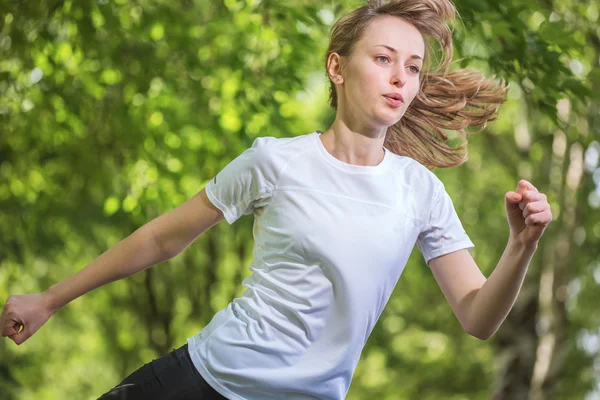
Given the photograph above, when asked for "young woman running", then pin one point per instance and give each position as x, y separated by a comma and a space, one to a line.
337, 214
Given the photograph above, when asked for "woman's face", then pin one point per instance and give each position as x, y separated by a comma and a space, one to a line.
387, 60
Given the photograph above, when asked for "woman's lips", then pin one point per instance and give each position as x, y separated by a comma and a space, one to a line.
393, 102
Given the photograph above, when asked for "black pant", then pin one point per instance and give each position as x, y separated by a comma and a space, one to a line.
171, 377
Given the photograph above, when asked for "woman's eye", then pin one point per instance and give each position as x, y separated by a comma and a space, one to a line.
414, 69
384, 57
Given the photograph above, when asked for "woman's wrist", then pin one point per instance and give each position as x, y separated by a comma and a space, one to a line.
51, 300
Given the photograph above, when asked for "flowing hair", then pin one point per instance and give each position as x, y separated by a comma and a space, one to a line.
447, 100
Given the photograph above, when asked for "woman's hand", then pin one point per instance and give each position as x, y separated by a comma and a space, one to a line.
528, 213
27, 311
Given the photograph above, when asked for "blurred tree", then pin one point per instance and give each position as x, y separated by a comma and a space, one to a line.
546, 58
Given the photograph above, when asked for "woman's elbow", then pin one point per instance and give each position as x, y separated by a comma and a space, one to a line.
480, 334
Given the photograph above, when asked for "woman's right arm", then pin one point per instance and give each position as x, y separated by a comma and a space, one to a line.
159, 240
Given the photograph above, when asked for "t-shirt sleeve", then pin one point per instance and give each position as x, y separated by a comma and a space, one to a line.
443, 233
245, 184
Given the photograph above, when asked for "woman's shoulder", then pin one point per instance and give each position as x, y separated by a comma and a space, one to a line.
418, 172
277, 152
421, 181
281, 142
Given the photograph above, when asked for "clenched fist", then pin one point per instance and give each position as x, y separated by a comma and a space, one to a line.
26, 311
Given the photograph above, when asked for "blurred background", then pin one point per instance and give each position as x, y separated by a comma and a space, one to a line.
113, 112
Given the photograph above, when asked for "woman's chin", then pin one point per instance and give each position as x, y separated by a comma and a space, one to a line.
390, 119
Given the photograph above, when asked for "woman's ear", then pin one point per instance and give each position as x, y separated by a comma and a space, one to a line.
334, 68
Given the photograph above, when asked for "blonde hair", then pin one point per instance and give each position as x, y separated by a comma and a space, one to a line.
447, 100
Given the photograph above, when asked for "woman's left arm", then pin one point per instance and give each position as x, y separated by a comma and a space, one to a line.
482, 305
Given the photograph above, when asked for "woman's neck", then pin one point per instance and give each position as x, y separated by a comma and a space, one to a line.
353, 147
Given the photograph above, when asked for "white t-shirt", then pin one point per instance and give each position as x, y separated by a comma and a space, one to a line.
331, 240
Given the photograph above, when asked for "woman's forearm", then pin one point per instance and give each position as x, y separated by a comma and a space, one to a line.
131, 255
495, 299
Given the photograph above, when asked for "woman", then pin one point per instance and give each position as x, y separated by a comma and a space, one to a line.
336, 217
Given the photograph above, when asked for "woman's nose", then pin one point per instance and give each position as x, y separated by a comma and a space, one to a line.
399, 77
